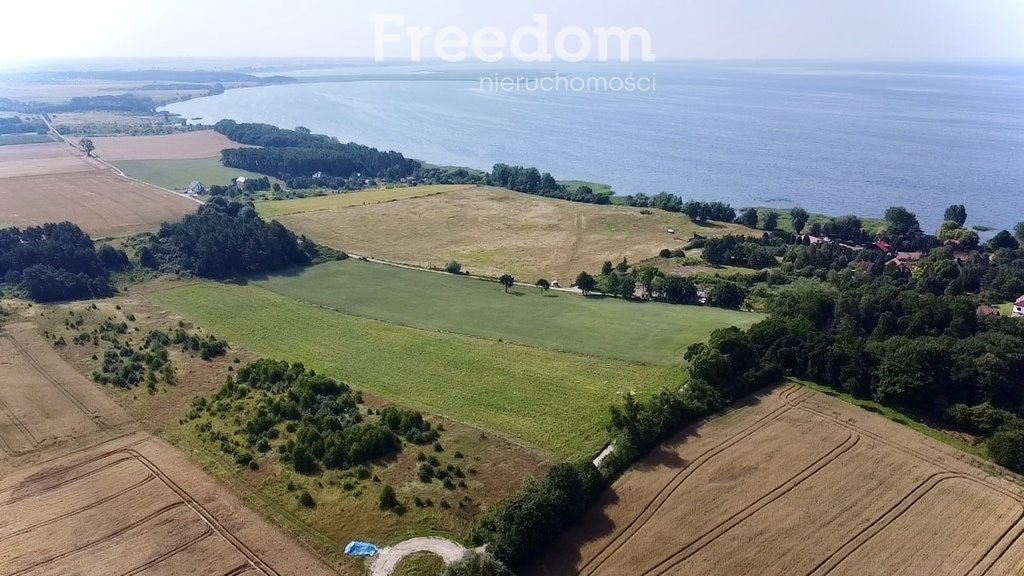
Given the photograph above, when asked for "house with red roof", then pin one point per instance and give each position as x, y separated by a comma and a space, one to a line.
1018, 308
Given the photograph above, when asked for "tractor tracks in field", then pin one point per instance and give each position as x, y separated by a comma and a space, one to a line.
671, 487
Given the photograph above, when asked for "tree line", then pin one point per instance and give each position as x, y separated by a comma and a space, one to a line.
298, 155
18, 125
532, 181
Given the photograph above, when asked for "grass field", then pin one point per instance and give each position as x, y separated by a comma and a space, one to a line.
493, 231
795, 482
871, 225
11, 139
347, 501
557, 401
179, 174
597, 187
632, 331
278, 208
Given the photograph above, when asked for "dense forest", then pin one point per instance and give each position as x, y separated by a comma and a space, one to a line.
308, 160
224, 240
56, 262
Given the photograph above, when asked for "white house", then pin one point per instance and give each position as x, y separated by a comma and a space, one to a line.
240, 182
1018, 308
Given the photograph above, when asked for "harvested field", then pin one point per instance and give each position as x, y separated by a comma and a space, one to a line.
101, 202
134, 505
795, 482
42, 183
42, 399
183, 146
41, 159
493, 231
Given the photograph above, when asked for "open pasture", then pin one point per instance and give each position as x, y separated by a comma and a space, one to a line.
179, 174
134, 505
494, 231
795, 482
555, 400
647, 332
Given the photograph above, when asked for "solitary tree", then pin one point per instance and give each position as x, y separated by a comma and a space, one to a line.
901, 221
800, 218
1003, 240
453, 267
507, 281
388, 499
771, 220
585, 282
87, 146
749, 218
727, 295
645, 276
543, 284
957, 213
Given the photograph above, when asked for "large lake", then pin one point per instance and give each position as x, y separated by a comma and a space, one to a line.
837, 138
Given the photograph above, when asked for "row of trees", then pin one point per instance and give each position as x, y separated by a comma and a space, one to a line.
622, 280
56, 262
18, 125
743, 251
532, 181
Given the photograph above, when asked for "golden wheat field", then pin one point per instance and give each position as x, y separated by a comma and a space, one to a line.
798, 483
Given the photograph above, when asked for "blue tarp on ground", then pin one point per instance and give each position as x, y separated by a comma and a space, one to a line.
360, 549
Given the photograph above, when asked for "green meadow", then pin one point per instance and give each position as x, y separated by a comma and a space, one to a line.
646, 332
178, 174
553, 400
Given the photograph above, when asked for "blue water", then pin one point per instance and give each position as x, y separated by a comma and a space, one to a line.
837, 138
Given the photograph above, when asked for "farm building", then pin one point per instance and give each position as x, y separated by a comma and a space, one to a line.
240, 182
1018, 308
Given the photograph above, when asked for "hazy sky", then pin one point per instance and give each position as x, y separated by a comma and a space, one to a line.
678, 28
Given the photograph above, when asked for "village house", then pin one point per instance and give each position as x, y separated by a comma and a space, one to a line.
1018, 308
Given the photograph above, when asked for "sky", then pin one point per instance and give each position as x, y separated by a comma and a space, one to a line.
688, 29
